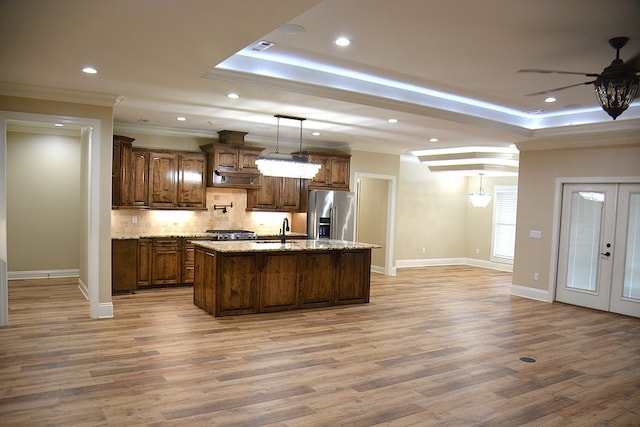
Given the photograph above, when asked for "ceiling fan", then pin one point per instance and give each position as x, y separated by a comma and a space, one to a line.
615, 87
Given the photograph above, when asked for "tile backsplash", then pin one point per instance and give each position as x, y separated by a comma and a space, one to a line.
139, 222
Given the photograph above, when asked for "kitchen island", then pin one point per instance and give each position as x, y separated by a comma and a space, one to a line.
245, 277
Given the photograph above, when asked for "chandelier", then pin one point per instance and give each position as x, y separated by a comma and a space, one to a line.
294, 165
480, 199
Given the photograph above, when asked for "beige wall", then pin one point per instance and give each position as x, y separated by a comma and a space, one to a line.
43, 202
372, 216
539, 172
431, 214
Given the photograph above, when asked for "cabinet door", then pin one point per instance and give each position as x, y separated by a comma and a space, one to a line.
290, 194
192, 181
278, 281
323, 177
226, 158
198, 277
340, 173
209, 278
266, 197
247, 160
165, 262
144, 262
137, 181
316, 285
124, 265
163, 179
236, 284
352, 271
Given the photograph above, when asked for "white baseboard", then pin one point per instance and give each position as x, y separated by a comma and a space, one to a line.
429, 262
531, 293
84, 289
42, 274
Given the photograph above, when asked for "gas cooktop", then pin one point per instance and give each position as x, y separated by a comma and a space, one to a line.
234, 234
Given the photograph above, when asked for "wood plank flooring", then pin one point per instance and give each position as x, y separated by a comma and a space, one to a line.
437, 346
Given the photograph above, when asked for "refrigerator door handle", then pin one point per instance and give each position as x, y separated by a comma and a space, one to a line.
334, 222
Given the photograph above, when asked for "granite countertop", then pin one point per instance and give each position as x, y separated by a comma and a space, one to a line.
201, 236
290, 245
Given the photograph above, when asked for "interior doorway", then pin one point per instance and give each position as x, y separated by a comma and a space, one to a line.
89, 134
375, 195
599, 249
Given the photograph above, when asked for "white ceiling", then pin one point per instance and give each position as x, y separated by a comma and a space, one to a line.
415, 60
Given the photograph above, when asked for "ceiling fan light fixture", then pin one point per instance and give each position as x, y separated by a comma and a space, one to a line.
616, 88
287, 165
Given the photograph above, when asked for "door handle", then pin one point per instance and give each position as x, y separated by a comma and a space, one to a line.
605, 253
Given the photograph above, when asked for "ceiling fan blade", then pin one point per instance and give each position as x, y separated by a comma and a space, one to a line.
577, 73
544, 92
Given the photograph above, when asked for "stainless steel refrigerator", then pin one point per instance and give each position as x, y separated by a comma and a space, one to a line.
331, 215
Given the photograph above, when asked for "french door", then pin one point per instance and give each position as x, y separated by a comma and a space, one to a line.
599, 251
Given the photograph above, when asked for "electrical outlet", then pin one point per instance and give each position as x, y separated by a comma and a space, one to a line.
536, 276
477, 251
424, 250
134, 219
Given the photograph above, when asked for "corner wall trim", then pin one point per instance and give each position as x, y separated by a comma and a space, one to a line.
531, 293
105, 310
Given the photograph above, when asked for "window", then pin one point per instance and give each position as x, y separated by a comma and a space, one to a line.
505, 204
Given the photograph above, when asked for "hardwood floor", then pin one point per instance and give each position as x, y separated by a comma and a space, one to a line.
436, 346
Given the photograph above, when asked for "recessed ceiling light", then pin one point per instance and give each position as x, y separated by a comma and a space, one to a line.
315, 133
58, 125
181, 118
342, 41
433, 139
550, 99
233, 95
89, 70
291, 29
393, 120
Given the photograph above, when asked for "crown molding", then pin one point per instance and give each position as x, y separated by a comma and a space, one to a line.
58, 94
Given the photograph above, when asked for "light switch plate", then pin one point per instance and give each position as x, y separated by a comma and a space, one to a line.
535, 234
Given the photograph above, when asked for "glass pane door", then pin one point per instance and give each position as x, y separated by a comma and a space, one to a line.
586, 239
625, 295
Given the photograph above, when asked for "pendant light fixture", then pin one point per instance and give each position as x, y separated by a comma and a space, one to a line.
294, 165
480, 199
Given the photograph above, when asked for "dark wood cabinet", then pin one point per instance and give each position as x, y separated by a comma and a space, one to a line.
231, 283
230, 163
278, 281
278, 194
120, 169
138, 180
334, 173
191, 177
124, 265
163, 180
144, 262
165, 261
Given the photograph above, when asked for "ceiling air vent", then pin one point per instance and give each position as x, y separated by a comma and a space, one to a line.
262, 45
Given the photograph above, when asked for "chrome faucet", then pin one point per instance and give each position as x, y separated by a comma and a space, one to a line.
285, 227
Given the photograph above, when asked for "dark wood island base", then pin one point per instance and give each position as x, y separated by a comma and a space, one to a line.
233, 278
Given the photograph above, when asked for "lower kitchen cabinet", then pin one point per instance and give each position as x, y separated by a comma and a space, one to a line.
124, 265
233, 283
144, 262
165, 262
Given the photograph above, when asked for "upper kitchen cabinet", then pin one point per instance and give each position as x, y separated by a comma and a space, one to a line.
230, 163
334, 173
158, 179
278, 194
163, 180
191, 177
120, 169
